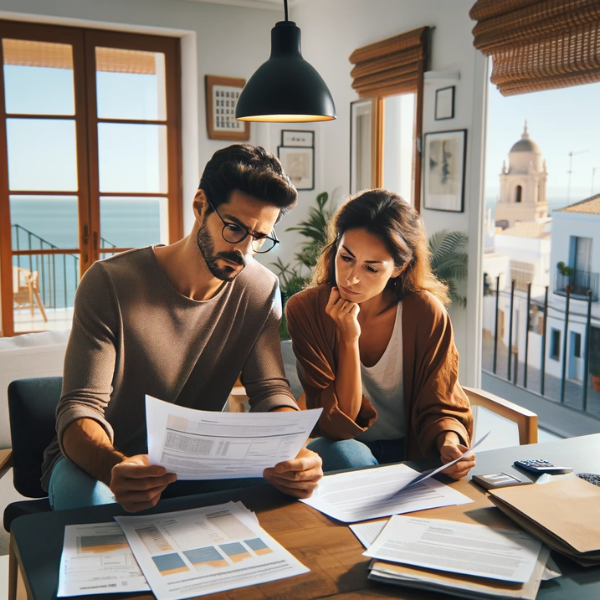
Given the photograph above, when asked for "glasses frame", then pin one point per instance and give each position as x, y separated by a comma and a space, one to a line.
272, 237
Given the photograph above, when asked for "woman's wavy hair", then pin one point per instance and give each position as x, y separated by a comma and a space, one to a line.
397, 224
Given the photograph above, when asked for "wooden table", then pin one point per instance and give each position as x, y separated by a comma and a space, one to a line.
326, 547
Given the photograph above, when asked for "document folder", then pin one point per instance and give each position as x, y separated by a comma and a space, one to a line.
563, 514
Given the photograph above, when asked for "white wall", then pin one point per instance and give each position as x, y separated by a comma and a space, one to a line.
331, 30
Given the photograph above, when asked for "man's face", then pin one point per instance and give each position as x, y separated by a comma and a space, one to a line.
226, 260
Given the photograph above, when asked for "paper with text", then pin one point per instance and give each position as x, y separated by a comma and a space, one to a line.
379, 492
197, 444
478, 550
206, 550
97, 559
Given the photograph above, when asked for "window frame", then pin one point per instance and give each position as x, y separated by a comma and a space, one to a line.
84, 41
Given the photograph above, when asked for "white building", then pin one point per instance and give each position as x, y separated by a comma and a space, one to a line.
576, 244
522, 185
521, 244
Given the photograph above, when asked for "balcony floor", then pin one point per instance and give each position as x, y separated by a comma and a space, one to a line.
573, 388
58, 318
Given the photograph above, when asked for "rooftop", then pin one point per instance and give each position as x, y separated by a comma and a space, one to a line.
589, 206
528, 229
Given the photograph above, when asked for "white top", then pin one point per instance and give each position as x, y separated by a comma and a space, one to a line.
383, 386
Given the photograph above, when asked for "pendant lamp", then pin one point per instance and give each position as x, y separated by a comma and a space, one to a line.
285, 89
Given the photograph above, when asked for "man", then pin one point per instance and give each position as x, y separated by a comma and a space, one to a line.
180, 323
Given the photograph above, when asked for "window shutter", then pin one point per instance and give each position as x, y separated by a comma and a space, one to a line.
392, 66
539, 44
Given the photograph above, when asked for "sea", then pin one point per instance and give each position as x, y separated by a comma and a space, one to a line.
52, 222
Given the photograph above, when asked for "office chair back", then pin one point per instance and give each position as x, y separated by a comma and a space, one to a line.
32, 413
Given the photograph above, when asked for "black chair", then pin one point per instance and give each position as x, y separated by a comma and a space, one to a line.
32, 407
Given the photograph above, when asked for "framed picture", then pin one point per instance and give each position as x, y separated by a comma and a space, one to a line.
304, 139
299, 166
444, 103
361, 144
222, 94
444, 170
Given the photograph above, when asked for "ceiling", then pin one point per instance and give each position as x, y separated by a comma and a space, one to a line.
263, 4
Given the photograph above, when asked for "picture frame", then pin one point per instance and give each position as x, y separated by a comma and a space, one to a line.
299, 165
222, 94
298, 138
362, 113
444, 167
444, 103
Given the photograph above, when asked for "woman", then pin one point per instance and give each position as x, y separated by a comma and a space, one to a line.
374, 343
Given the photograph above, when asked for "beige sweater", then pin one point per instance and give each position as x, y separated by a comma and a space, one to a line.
134, 334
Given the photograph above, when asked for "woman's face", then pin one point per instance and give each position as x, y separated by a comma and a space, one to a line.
363, 266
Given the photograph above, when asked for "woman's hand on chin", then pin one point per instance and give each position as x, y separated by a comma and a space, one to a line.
345, 315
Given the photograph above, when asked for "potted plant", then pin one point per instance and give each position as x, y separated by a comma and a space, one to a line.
449, 261
294, 278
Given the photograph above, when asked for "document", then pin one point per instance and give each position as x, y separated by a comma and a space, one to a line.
197, 444
97, 559
367, 532
206, 550
478, 550
380, 492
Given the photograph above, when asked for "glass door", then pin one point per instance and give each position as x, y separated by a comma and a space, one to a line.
89, 160
130, 123
43, 131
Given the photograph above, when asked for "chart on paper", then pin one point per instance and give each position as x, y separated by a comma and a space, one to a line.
206, 550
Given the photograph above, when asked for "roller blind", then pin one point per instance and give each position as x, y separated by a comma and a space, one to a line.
391, 66
539, 44
60, 56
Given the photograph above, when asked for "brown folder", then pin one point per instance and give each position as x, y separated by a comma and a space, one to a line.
563, 514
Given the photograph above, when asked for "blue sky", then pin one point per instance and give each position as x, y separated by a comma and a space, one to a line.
559, 121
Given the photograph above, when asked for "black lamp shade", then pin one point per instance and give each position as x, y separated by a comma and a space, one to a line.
285, 89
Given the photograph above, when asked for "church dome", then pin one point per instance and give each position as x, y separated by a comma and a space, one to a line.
525, 144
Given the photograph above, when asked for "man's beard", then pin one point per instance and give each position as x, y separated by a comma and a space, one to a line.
207, 249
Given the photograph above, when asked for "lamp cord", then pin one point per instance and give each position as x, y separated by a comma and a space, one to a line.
286, 9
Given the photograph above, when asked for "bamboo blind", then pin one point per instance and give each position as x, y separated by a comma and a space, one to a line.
539, 44
391, 66
60, 56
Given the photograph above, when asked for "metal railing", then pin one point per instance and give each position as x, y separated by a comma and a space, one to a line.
568, 391
58, 274
580, 283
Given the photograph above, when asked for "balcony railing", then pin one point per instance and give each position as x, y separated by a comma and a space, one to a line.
580, 283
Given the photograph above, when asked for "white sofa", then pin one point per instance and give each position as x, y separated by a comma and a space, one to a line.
29, 355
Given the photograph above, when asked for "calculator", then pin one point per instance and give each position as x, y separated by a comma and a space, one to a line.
539, 466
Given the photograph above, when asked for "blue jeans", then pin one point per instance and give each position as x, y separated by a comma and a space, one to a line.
352, 454
72, 487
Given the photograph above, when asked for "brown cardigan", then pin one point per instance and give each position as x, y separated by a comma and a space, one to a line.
434, 402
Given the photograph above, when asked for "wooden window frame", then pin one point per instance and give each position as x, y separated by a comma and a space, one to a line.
83, 42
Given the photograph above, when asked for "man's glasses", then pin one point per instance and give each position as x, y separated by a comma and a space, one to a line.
234, 234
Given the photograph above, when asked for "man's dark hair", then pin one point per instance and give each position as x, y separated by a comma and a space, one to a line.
251, 170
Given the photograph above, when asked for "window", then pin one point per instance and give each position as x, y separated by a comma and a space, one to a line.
518, 193
576, 345
89, 145
555, 344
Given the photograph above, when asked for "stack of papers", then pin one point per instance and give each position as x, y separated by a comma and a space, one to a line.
180, 554
563, 514
470, 561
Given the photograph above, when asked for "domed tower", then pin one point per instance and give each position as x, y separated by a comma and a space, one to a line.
523, 185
